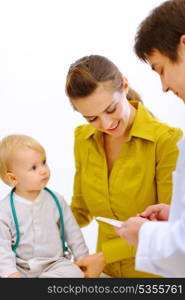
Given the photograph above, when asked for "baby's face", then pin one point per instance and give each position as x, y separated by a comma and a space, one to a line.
30, 169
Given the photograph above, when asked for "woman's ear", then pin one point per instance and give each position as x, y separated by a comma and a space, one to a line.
10, 178
125, 85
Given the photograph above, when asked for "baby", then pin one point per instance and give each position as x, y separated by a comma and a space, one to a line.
35, 223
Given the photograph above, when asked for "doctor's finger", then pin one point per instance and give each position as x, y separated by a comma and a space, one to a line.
120, 231
152, 217
153, 209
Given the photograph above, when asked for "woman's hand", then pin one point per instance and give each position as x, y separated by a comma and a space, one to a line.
130, 229
15, 275
158, 212
92, 265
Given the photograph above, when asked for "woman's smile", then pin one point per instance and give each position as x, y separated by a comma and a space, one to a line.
112, 129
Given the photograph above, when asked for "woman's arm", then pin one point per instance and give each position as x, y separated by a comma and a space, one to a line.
78, 205
166, 157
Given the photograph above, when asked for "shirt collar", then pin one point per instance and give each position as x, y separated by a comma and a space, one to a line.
142, 126
89, 131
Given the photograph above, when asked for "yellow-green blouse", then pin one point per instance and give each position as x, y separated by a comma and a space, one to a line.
141, 176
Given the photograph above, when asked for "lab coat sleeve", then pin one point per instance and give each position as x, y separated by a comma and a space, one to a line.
73, 233
7, 256
161, 248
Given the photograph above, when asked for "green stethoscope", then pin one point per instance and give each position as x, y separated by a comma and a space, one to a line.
64, 244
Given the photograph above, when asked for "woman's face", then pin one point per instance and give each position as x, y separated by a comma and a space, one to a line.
105, 109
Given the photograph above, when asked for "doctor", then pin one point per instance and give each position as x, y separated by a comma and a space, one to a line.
161, 244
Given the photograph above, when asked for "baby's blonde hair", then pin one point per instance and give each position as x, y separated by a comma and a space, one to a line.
9, 144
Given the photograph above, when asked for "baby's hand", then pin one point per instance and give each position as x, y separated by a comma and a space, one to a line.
15, 275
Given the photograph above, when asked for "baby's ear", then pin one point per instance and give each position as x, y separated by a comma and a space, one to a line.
10, 178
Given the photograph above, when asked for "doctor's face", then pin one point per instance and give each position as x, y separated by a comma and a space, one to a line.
106, 110
172, 74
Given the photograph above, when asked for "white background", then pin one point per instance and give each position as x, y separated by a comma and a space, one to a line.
39, 39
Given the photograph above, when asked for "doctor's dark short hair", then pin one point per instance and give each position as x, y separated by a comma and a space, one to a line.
161, 30
9, 145
88, 72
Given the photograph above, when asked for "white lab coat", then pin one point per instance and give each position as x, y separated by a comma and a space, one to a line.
161, 248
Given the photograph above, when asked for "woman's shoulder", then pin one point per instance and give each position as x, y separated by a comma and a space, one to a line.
159, 128
83, 131
164, 129
165, 133
149, 126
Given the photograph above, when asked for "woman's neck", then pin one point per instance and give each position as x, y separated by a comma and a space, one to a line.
131, 119
125, 135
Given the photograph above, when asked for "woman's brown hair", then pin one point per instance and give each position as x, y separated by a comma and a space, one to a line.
86, 73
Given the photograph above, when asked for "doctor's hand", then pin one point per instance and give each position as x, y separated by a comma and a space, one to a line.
158, 212
130, 229
92, 265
